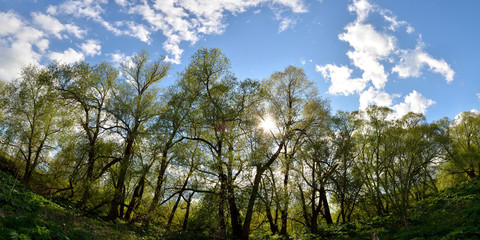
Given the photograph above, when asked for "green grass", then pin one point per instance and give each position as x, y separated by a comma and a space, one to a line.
26, 215
451, 214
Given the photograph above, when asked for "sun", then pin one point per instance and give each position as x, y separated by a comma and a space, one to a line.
268, 124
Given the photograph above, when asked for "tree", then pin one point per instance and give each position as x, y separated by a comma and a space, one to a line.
374, 154
134, 106
87, 88
293, 102
416, 149
346, 180
462, 151
173, 120
32, 118
218, 123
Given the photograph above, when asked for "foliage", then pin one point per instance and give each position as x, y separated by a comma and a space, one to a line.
26, 215
213, 156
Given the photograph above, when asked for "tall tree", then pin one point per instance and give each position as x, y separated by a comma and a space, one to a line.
293, 103
134, 106
416, 149
217, 123
174, 119
87, 88
32, 118
374, 154
346, 180
462, 151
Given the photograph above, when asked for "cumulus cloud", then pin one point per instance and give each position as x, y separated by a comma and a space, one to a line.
341, 83
457, 119
478, 96
55, 27
68, 56
414, 102
369, 47
91, 47
18, 41
376, 97
412, 62
87, 8
376, 53
119, 57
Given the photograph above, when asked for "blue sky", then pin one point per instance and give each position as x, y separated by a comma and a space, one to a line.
409, 55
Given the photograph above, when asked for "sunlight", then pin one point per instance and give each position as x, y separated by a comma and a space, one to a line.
268, 125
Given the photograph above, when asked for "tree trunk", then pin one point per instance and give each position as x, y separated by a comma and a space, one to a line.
175, 206
326, 208
89, 176
251, 203
187, 212
158, 189
234, 212
172, 213
221, 207
271, 222
136, 197
116, 206
254, 192
286, 200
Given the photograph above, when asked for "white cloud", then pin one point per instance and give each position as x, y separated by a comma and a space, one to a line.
75, 30
91, 47
376, 97
68, 56
478, 95
362, 8
119, 57
394, 22
11, 23
341, 83
286, 23
376, 53
17, 42
296, 6
49, 24
42, 45
178, 20
55, 27
87, 8
412, 61
189, 20
457, 119
414, 102
139, 31
369, 47
122, 3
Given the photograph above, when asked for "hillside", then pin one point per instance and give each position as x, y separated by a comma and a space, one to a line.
27, 215
451, 214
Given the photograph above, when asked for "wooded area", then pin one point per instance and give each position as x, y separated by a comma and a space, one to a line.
218, 155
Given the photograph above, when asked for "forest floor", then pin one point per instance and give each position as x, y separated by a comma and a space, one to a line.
27, 215
451, 214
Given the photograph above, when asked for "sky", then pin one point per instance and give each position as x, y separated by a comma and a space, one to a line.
409, 55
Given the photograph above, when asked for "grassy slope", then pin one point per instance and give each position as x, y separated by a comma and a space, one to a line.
26, 215
451, 214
